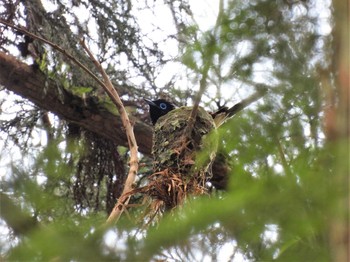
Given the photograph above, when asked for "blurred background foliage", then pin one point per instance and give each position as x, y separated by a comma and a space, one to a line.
288, 160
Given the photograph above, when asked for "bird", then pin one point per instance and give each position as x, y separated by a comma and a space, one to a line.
161, 107
158, 108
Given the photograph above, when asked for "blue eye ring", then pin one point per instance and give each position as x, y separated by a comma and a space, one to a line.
162, 106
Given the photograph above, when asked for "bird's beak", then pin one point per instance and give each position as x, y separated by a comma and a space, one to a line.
150, 102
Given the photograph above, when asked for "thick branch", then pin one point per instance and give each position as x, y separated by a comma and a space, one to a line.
33, 85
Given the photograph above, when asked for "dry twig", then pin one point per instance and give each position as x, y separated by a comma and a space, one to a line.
134, 163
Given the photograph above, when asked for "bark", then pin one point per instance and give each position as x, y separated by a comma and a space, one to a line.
337, 129
30, 83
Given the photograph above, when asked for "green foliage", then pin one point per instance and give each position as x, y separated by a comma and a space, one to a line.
62, 239
296, 203
284, 181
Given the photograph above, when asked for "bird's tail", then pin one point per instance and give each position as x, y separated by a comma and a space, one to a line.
225, 113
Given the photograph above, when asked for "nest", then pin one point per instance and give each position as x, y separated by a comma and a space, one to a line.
172, 188
177, 171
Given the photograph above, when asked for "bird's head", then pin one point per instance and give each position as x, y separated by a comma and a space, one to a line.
158, 108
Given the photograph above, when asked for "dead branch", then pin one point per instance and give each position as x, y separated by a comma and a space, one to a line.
113, 94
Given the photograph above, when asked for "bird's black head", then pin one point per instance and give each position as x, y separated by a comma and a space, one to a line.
158, 108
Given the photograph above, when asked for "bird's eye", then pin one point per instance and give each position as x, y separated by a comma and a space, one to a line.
162, 106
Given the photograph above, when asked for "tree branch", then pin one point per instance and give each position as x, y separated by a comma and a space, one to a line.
113, 94
32, 84
56, 47
134, 163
